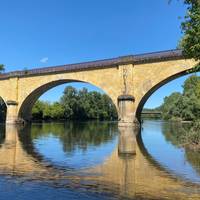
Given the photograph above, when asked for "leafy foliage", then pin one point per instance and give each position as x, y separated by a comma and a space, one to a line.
2, 68
190, 42
184, 106
74, 104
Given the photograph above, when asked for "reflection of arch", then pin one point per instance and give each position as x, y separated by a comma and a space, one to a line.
70, 136
153, 89
28, 103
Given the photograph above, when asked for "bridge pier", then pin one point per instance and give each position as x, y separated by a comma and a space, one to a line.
127, 126
12, 114
126, 111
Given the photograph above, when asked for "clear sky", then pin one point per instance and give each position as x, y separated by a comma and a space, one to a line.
37, 33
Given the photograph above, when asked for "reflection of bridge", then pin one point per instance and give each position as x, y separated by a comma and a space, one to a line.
131, 176
128, 80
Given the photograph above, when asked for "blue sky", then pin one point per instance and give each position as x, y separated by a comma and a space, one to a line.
38, 33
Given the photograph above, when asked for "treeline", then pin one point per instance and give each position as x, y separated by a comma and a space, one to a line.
76, 105
183, 106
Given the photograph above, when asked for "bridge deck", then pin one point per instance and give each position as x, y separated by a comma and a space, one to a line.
131, 59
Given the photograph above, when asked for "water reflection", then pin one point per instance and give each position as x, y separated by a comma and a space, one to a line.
71, 145
76, 135
173, 133
127, 141
126, 172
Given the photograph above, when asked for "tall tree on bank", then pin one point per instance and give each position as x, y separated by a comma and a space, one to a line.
190, 43
2, 68
183, 106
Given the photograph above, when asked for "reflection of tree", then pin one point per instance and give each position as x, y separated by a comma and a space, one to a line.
176, 134
193, 157
73, 135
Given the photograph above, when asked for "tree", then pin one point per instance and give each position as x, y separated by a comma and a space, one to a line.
76, 104
2, 68
169, 107
56, 111
84, 103
192, 86
185, 106
190, 43
37, 111
69, 101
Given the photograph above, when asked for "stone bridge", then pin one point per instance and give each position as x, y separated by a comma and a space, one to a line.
127, 80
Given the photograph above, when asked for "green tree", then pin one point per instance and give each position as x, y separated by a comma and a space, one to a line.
191, 98
84, 103
56, 111
192, 86
185, 106
2, 68
190, 42
69, 101
47, 111
74, 104
37, 111
169, 107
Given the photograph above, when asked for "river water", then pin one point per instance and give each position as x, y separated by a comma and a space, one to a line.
85, 161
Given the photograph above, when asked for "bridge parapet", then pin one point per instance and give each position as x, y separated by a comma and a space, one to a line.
99, 64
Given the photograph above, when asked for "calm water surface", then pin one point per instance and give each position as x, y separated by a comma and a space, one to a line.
84, 161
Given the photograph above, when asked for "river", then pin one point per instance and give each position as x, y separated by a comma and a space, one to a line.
83, 160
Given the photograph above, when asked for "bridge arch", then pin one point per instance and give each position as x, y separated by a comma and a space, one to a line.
25, 110
128, 81
3, 109
154, 89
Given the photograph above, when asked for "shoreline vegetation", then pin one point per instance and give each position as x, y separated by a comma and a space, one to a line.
76, 104
184, 108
